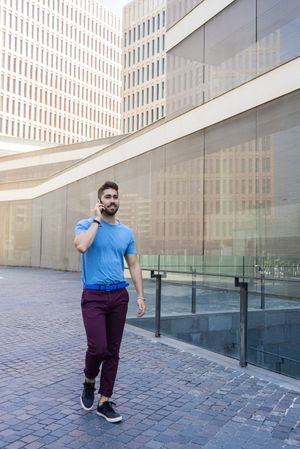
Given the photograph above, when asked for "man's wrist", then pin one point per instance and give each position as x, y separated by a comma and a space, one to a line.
97, 220
141, 297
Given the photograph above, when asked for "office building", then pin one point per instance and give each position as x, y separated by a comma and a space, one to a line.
144, 63
60, 71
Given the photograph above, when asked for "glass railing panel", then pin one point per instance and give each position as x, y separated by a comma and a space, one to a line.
227, 265
149, 289
214, 325
176, 295
204, 309
273, 336
196, 310
267, 293
147, 322
149, 261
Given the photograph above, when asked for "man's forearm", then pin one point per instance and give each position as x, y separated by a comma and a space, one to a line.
83, 241
136, 276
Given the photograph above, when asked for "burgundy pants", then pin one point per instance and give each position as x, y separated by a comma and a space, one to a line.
104, 315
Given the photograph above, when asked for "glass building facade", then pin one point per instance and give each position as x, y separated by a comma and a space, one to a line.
177, 9
245, 40
233, 191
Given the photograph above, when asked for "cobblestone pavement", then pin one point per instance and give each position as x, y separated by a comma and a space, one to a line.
169, 398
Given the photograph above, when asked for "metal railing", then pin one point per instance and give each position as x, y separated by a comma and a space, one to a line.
241, 282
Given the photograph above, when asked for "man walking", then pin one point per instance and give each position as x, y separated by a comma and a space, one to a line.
104, 242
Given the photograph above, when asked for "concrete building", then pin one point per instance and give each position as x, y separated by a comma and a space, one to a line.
144, 63
60, 71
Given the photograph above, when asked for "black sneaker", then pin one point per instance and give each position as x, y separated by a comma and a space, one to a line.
106, 411
87, 395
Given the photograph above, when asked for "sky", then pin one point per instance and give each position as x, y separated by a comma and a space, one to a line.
115, 5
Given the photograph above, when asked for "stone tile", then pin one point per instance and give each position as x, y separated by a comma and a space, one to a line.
170, 399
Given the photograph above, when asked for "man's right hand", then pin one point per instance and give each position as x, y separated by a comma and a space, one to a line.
97, 210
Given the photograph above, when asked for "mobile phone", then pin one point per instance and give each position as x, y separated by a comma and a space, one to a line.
102, 210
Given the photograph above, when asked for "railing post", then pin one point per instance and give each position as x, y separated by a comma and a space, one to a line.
194, 290
262, 290
243, 320
157, 305
262, 286
158, 277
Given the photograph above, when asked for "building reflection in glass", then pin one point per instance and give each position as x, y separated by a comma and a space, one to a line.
238, 44
231, 189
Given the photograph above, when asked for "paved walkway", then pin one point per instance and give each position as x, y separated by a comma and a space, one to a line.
170, 398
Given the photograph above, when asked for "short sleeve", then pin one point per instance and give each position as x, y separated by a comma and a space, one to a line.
81, 226
131, 248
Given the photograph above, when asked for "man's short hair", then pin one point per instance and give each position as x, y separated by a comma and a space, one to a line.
107, 185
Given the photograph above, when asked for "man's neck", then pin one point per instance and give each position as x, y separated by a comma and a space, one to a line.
110, 219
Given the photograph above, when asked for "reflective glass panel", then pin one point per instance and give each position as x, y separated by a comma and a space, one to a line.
185, 82
230, 48
176, 9
278, 32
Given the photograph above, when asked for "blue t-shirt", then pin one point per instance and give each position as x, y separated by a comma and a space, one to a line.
103, 262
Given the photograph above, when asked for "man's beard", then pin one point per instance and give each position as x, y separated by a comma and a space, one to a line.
113, 212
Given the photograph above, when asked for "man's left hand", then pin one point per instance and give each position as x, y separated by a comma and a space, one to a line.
142, 307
